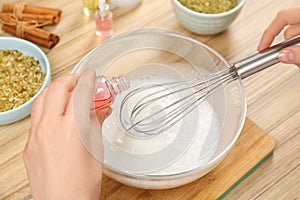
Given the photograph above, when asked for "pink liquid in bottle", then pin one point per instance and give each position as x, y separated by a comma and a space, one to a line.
107, 89
104, 25
104, 20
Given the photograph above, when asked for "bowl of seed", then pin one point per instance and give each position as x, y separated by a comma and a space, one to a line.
24, 74
207, 17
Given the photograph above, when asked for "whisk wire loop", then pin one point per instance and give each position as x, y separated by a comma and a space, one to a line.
167, 116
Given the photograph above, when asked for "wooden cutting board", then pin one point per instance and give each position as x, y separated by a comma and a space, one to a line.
253, 147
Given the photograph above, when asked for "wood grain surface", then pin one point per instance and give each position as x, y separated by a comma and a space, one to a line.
253, 147
273, 95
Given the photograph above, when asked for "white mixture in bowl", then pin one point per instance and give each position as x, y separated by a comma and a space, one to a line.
187, 145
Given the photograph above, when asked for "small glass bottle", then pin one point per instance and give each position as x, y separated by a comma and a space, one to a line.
104, 20
106, 90
90, 7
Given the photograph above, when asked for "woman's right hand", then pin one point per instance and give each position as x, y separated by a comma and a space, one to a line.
63, 154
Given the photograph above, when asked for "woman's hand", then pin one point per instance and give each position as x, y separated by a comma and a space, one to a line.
57, 163
289, 18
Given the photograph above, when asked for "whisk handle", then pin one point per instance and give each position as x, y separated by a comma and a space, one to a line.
264, 59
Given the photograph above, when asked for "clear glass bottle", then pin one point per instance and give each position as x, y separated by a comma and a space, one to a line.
104, 20
106, 90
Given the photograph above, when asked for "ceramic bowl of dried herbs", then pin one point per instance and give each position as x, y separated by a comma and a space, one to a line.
24, 74
207, 17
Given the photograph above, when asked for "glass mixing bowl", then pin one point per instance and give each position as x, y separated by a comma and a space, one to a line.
193, 146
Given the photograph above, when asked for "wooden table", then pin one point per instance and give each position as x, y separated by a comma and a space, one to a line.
273, 95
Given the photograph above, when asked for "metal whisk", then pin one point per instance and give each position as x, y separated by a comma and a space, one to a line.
154, 107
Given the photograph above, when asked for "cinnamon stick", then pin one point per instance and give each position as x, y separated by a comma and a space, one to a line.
41, 33
32, 10
40, 19
38, 32
48, 43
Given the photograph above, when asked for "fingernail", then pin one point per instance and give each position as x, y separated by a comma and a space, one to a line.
286, 56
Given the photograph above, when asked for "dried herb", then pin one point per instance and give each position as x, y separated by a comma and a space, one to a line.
20, 78
209, 6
